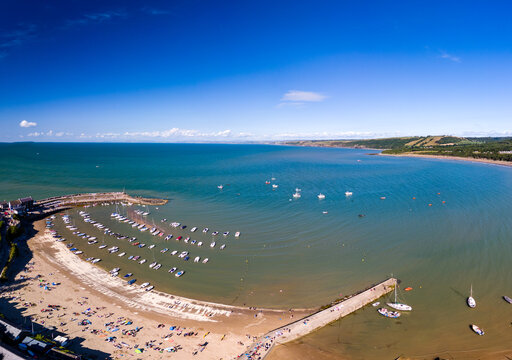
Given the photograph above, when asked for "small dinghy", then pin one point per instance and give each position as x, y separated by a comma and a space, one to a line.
507, 299
477, 330
205, 260
389, 314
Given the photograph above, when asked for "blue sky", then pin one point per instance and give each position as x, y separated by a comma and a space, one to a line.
253, 70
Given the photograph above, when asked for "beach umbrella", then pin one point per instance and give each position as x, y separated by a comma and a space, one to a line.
138, 351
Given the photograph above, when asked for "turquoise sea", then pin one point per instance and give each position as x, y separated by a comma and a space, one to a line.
291, 253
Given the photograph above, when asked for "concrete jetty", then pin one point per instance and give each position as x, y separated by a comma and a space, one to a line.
263, 345
57, 203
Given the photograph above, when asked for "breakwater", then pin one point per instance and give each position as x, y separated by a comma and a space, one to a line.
264, 345
57, 203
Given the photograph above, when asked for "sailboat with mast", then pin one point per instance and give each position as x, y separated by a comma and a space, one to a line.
471, 301
397, 305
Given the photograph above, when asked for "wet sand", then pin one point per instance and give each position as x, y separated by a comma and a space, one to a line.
486, 161
81, 286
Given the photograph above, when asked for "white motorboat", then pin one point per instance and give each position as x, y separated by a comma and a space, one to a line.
297, 194
471, 301
223, 246
197, 259
180, 273
143, 285
237, 234
348, 193
193, 229
220, 187
152, 265
205, 260
158, 266
142, 261
212, 245
390, 314
477, 330
150, 288
122, 254
151, 246
321, 196
174, 252
102, 246
275, 186
199, 243
171, 270
205, 230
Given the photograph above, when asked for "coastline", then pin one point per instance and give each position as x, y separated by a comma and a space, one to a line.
442, 157
227, 329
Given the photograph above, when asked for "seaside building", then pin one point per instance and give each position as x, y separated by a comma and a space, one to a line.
4, 206
21, 205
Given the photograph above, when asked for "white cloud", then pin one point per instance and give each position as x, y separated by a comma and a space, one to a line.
176, 133
303, 96
453, 58
26, 124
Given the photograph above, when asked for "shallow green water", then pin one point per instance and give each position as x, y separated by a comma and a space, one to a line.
290, 253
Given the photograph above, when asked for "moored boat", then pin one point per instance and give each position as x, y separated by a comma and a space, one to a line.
471, 301
398, 306
390, 314
477, 330
507, 299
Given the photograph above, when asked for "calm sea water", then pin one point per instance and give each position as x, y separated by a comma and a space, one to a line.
291, 253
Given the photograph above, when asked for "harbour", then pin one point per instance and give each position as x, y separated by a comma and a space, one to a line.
291, 254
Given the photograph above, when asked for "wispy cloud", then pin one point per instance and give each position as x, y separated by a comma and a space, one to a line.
97, 17
16, 37
153, 11
27, 124
303, 96
450, 57
298, 98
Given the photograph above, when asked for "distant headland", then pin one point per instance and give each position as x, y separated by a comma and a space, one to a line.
481, 149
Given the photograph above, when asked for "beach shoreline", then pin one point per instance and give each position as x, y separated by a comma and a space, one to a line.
227, 329
442, 157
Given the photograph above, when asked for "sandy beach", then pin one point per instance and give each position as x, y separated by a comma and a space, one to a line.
486, 161
88, 304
